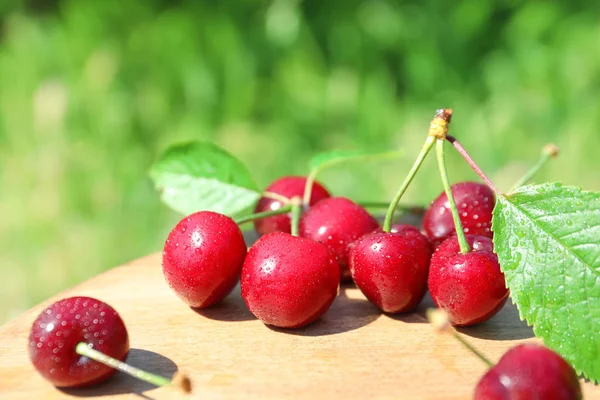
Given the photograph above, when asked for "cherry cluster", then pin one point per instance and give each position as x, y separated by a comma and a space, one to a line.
310, 241
290, 280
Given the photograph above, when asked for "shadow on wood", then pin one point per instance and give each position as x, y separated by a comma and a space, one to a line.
122, 383
230, 309
507, 327
346, 314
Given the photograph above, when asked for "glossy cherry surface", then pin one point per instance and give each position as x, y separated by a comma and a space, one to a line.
470, 287
203, 257
391, 268
60, 327
289, 281
288, 186
337, 222
475, 203
529, 372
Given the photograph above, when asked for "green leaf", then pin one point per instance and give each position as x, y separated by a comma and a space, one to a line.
324, 160
548, 242
198, 176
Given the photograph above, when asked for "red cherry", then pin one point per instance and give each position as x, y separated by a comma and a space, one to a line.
470, 287
288, 186
203, 257
289, 281
391, 268
529, 371
475, 203
337, 222
60, 327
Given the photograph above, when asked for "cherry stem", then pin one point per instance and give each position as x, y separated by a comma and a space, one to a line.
387, 223
264, 214
308, 187
276, 196
441, 157
157, 380
549, 151
439, 320
473, 165
472, 349
296, 212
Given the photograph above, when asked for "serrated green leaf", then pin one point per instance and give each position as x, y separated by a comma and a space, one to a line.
198, 176
548, 242
326, 159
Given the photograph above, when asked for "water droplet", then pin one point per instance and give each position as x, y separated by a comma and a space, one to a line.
569, 222
183, 228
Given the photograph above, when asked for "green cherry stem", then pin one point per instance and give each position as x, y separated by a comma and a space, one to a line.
439, 320
157, 380
264, 214
438, 128
310, 180
387, 223
296, 213
462, 240
473, 165
549, 151
276, 196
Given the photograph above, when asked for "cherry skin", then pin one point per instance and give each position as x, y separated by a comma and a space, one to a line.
289, 281
287, 186
337, 222
60, 327
475, 203
391, 268
470, 287
528, 372
203, 257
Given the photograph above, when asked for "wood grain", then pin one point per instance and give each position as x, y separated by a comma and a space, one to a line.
353, 352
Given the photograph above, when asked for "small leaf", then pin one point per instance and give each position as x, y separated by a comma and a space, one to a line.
326, 159
198, 176
548, 242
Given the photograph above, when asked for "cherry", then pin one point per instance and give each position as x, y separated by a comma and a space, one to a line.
475, 203
203, 257
390, 268
289, 281
470, 287
529, 371
337, 222
60, 327
287, 186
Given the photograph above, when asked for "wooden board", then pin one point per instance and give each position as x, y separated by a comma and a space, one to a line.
353, 352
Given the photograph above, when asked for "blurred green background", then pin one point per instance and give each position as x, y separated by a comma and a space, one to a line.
91, 91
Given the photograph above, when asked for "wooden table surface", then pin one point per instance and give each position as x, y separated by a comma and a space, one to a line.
353, 352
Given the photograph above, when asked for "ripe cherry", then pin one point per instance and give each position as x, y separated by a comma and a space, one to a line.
288, 186
390, 268
470, 287
475, 203
337, 222
203, 257
60, 327
289, 281
529, 371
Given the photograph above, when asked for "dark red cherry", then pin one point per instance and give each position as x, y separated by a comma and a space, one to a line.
203, 257
470, 287
60, 327
288, 186
289, 281
475, 203
529, 372
337, 222
391, 268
